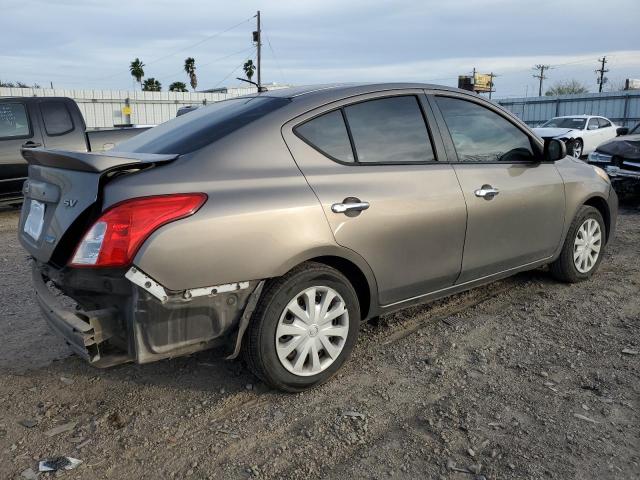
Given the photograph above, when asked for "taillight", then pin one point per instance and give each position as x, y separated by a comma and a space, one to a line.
115, 237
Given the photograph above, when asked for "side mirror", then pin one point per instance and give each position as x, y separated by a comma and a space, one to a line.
554, 150
620, 131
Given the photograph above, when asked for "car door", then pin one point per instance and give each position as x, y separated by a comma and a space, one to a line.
607, 130
515, 202
379, 174
17, 130
592, 135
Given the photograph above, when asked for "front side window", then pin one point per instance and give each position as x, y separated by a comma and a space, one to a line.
481, 135
14, 122
328, 133
389, 130
57, 119
593, 124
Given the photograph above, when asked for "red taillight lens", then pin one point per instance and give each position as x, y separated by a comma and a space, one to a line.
115, 237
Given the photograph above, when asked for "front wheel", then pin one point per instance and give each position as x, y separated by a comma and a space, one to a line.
303, 329
583, 248
577, 148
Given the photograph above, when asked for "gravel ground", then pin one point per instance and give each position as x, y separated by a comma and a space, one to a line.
525, 378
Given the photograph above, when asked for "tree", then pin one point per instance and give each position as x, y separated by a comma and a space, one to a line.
570, 87
137, 70
190, 68
18, 84
249, 68
151, 85
178, 87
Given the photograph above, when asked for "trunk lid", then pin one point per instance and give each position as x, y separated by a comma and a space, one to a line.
63, 190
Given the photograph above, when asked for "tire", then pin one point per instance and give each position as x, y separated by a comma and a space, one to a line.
577, 148
566, 268
267, 339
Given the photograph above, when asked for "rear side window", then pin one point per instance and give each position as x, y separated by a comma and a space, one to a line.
481, 135
593, 124
604, 123
57, 119
328, 133
203, 126
14, 122
389, 130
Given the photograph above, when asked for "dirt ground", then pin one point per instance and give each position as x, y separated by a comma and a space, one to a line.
526, 378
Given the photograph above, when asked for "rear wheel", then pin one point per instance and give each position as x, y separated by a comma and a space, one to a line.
583, 247
303, 329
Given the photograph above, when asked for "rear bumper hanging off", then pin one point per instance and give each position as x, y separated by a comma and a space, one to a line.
128, 317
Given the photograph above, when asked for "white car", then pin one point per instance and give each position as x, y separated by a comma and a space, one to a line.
581, 133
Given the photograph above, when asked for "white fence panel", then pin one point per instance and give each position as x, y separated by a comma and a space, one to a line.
103, 108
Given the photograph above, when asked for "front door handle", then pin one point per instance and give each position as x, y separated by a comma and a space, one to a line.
31, 144
350, 207
487, 192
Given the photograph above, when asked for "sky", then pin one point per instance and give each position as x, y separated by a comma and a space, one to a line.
89, 44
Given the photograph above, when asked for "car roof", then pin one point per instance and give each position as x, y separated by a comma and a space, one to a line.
336, 91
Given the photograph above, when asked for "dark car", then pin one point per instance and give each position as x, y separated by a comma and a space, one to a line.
620, 158
52, 122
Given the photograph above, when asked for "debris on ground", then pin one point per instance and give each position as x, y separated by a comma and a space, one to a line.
65, 427
28, 423
29, 474
58, 463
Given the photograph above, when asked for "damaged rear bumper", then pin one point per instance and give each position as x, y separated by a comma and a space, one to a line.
116, 319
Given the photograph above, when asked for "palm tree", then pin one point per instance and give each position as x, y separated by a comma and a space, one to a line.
190, 68
249, 68
137, 70
151, 85
178, 87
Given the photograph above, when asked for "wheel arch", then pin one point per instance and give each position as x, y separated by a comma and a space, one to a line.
602, 206
352, 266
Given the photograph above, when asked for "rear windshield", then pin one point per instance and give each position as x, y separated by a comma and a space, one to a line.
201, 127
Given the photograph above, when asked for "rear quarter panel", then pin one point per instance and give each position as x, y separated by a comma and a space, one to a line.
260, 219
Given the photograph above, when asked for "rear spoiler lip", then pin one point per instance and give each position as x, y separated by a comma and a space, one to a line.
91, 161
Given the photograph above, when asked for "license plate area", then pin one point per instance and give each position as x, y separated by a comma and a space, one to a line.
34, 223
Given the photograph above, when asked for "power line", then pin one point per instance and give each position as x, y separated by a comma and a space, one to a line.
229, 74
206, 39
275, 58
209, 63
200, 42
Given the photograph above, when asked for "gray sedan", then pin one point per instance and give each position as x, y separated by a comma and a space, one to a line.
275, 224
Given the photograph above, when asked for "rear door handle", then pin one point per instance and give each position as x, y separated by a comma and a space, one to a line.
349, 207
487, 192
31, 144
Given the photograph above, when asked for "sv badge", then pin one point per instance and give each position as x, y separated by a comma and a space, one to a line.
70, 203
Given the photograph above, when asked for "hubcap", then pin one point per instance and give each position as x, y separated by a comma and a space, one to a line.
586, 246
312, 331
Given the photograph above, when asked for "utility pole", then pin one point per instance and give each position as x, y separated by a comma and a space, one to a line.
258, 40
541, 76
602, 80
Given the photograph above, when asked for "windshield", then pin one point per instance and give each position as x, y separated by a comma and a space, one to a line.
635, 130
201, 127
565, 122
